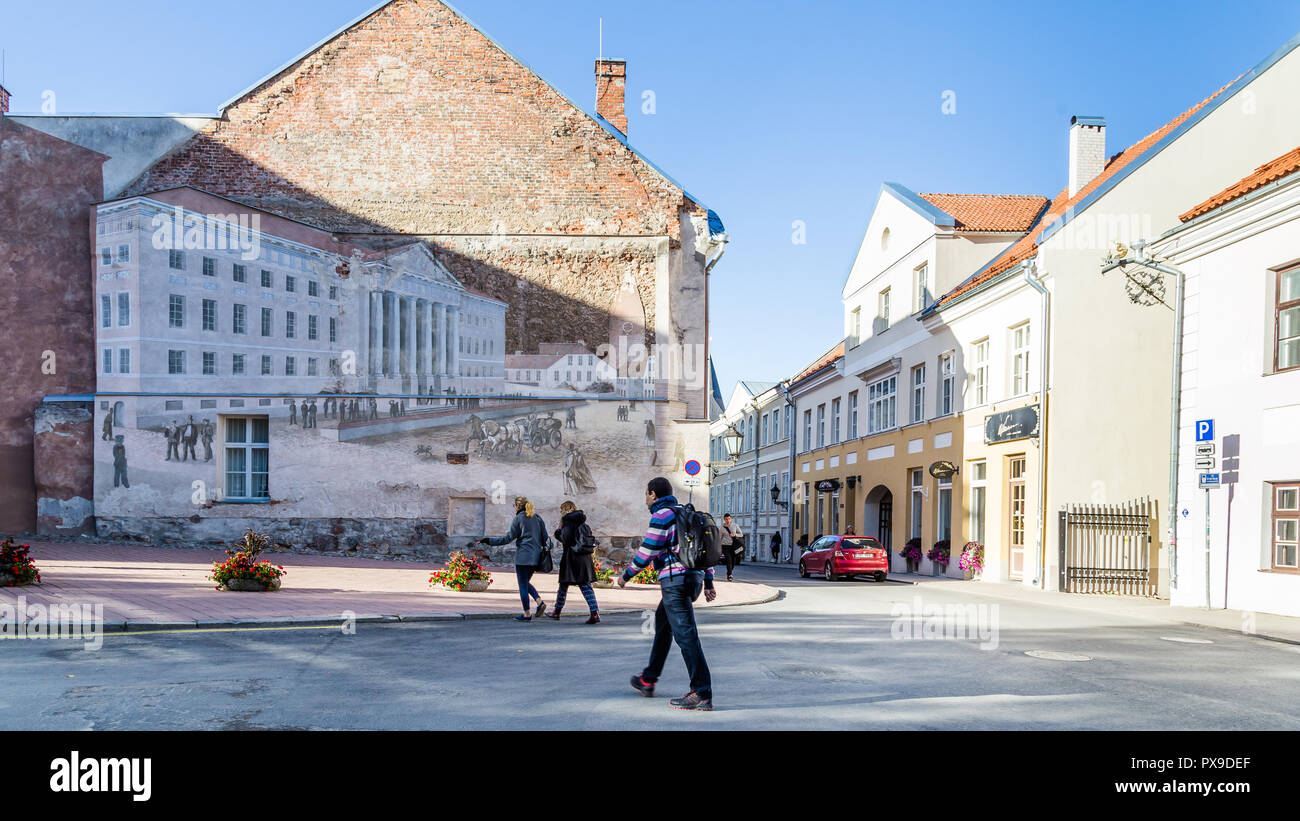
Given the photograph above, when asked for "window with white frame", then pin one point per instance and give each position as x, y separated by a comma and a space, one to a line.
105, 256
1020, 359
947, 384
1286, 340
124, 253
123, 309
918, 501
105, 311
209, 363
882, 312
176, 311
821, 425
763, 438
978, 499
1286, 525
881, 399
980, 371
943, 511
123, 360
247, 458
175, 361
918, 393
237, 364
176, 260
209, 314
835, 421
921, 277
108, 360
776, 425
807, 430
855, 326
853, 415
238, 319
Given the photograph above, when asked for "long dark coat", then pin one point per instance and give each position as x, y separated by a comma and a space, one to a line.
574, 568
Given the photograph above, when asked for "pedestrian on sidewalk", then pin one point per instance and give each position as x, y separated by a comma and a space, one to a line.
576, 565
733, 544
528, 532
678, 588
775, 544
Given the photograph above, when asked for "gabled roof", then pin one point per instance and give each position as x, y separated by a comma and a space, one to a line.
825, 360
1065, 208
990, 212
1269, 172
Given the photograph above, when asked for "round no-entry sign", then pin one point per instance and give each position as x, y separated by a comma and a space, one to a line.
692, 467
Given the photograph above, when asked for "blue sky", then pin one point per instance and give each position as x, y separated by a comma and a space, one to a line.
769, 112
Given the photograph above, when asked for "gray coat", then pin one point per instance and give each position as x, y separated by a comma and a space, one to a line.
530, 538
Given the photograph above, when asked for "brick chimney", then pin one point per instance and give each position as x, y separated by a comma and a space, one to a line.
1087, 150
4, 100
611, 78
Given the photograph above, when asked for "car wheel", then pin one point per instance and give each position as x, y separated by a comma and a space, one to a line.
880, 577
827, 573
803, 570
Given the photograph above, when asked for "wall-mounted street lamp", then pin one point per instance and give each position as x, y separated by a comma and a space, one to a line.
776, 497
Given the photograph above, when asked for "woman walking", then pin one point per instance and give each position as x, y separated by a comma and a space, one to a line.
528, 532
575, 568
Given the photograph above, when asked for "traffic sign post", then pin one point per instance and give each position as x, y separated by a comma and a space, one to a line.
1205, 430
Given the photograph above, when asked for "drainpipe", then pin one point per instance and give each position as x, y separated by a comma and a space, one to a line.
1031, 279
793, 424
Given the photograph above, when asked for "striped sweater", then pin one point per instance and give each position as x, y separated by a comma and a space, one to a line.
657, 545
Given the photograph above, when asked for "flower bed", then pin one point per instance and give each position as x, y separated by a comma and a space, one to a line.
243, 571
16, 565
604, 573
939, 554
459, 571
647, 576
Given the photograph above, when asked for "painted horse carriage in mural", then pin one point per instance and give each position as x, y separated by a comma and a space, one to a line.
491, 438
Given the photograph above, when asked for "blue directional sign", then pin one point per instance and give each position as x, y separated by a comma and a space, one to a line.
1205, 430
1209, 480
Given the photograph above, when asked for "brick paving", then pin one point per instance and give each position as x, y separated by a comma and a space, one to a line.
141, 587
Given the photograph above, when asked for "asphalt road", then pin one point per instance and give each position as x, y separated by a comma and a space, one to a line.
824, 656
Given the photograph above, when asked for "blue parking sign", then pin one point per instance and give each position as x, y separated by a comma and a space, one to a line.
1205, 430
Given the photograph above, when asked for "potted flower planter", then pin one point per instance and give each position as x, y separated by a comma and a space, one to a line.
251, 586
911, 565
476, 586
603, 583
937, 569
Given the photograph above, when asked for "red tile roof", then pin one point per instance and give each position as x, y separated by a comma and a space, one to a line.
1027, 246
990, 212
822, 361
1276, 169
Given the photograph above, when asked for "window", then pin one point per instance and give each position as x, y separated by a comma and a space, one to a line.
289, 283
835, 421
334, 292
918, 499
311, 366
247, 462
980, 371
855, 326
290, 366
209, 267
853, 415
176, 311
946, 384
882, 311
238, 322
1286, 348
105, 311
209, 314
776, 425
175, 361
821, 425
881, 397
1286, 526
290, 324
123, 309
922, 293
266, 279
918, 393
108, 360
312, 331
763, 430
943, 510
266, 365
124, 360
313, 288
106, 256
124, 253
978, 496
240, 273
237, 364
1020, 359
334, 329
209, 363
266, 322
807, 430
176, 259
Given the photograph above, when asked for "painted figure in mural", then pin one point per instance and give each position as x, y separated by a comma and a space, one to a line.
302, 413
576, 565
206, 434
189, 439
392, 408
108, 426
119, 462
313, 413
374, 408
173, 435
293, 413
577, 478
528, 532
571, 418
650, 441
679, 454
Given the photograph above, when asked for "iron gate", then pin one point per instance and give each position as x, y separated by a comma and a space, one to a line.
1107, 548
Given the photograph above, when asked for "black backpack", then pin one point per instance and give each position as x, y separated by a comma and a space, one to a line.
586, 541
698, 544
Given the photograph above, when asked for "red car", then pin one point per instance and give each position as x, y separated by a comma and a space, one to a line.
833, 557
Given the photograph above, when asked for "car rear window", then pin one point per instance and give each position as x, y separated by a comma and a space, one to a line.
859, 544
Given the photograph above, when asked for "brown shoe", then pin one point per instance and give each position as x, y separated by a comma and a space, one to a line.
554, 614
595, 618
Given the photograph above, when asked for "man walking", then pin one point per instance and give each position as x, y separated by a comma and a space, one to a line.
678, 588
731, 542
775, 544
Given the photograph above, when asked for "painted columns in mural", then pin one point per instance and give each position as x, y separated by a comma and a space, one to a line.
426, 338
412, 337
453, 340
375, 355
409, 360
391, 336
439, 338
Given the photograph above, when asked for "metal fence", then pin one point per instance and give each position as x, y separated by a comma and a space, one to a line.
1107, 548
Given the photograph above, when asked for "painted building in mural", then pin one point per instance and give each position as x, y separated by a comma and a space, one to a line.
335, 371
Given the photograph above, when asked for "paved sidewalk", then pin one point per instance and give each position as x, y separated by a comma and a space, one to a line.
1261, 625
151, 587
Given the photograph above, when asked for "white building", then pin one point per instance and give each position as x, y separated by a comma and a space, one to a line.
1240, 254
758, 411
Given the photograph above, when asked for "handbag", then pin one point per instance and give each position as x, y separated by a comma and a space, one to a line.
547, 564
